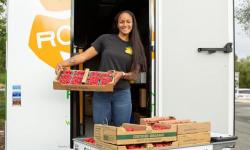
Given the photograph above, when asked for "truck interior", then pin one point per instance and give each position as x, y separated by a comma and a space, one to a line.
90, 19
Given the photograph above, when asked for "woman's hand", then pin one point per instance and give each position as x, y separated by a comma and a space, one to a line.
118, 75
76, 60
59, 68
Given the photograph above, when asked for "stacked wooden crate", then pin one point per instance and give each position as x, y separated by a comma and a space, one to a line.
189, 133
152, 134
134, 136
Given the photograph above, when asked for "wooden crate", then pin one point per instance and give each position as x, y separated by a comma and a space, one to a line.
84, 86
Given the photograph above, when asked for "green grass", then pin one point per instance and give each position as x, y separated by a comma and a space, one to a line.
2, 98
2, 77
2, 107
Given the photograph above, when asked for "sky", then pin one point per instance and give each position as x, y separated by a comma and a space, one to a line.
242, 41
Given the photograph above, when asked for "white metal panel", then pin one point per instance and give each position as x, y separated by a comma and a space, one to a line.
194, 85
41, 122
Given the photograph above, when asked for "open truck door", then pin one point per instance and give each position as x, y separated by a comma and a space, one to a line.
37, 117
195, 61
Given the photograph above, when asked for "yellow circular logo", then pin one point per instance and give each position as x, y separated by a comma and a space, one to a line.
49, 36
56, 5
50, 39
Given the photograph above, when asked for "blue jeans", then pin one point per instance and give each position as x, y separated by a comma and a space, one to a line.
113, 107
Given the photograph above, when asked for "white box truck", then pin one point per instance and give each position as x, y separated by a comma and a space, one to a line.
188, 44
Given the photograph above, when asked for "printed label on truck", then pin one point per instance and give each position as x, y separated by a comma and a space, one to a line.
16, 95
50, 38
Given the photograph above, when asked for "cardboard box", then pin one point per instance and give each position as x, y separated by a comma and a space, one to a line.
83, 86
150, 121
143, 98
98, 132
173, 144
194, 139
141, 134
108, 146
195, 127
189, 127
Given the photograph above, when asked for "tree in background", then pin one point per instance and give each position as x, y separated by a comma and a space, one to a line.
242, 15
243, 67
2, 35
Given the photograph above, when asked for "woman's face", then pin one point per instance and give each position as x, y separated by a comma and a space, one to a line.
125, 23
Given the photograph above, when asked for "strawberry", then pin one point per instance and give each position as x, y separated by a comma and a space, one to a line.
129, 129
135, 146
89, 140
163, 144
160, 127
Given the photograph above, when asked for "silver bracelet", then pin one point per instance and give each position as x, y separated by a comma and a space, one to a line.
123, 75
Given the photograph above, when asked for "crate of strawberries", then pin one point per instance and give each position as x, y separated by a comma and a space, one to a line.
135, 134
85, 80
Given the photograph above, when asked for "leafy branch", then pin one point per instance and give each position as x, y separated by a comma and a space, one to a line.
242, 15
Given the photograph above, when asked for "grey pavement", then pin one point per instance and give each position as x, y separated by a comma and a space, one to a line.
242, 124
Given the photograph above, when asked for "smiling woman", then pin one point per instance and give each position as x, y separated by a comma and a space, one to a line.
115, 108
125, 24
108, 26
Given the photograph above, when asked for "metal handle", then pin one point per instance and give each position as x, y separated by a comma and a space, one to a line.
227, 49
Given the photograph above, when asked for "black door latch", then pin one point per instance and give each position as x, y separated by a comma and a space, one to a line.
227, 49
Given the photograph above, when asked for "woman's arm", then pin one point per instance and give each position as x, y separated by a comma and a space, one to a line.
127, 76
133, 75
130, 75
77, 59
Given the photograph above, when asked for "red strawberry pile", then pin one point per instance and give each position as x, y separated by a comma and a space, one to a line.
65, 77
99, 78
157, 119
93, 80
105, 80
163, 144
77, 78
179, 121
94, 77
89, 140
71, 77
158, 126
135, 146
129, 129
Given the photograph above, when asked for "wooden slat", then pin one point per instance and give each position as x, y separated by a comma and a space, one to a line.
81, 98
58, 75
85, 76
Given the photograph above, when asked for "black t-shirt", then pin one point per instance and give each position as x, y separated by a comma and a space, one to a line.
116, 54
